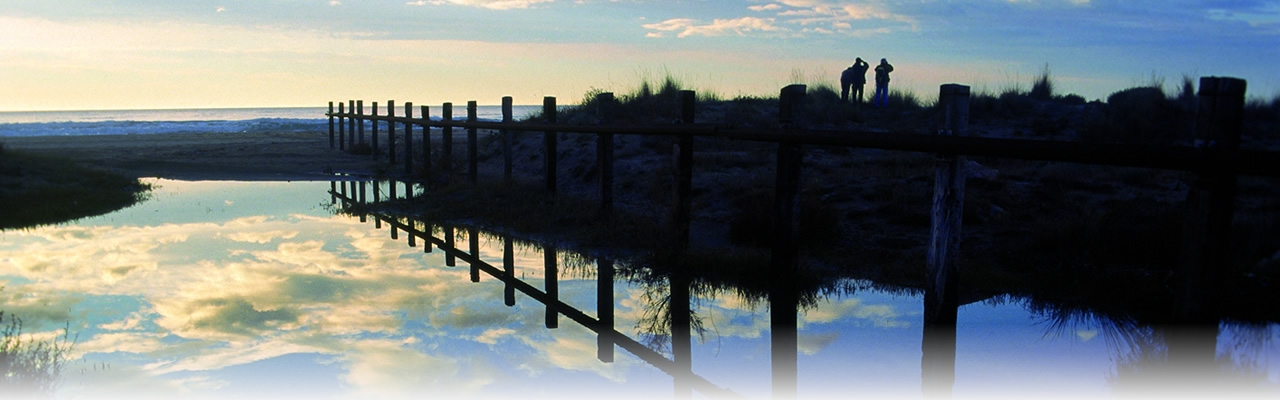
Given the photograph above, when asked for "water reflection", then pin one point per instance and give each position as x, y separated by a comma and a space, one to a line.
228, 289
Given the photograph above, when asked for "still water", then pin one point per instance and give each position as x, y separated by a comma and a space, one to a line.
262, 290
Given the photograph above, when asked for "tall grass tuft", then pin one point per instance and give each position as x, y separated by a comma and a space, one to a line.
28, 368
1042, 87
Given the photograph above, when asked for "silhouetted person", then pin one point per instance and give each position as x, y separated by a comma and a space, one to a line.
856, 77
881, 98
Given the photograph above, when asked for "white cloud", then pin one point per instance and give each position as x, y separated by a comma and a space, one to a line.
685, 27
489, 4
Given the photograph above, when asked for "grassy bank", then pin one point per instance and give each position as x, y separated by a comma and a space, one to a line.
39, 190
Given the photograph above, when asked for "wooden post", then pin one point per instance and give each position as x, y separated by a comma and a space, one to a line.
604, 154
408, 139
331, 125
472, 146
604, 307
449, 259
1206, 257
549, 152
446, 141
342, 127
426, 142
391, 132
783, 296
473, 241
682, 331
360, 121
507, 140
373, 131
552, 285
509, 269
681, 210
351, 125
360, 198
941, 300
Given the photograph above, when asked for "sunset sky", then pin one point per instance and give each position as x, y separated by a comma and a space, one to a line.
129, 54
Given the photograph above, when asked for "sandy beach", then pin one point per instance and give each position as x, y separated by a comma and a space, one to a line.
203, 156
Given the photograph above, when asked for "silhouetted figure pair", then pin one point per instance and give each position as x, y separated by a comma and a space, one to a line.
854, 77
881, 98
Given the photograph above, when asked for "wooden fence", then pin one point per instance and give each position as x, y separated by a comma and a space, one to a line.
1215, 160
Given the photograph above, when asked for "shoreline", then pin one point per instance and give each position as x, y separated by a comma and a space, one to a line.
271, 156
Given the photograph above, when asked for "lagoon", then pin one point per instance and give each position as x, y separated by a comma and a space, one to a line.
217, 289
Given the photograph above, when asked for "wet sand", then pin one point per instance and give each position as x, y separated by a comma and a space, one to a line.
203, 156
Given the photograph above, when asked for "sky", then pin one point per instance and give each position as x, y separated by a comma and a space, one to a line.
142, 54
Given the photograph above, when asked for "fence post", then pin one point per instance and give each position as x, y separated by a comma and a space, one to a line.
342, 127
472, 167
941, 299
507, 140
351, 125
391, 132
331, 125
604, 154
509, 270
551, 282
473, 247
682, 209
408, 138
1210, 200
373, 131
426, 141
549, 152
360, 121
446, 141
783, 300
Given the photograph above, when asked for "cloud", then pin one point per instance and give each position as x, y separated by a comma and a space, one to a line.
685, 27
489, 4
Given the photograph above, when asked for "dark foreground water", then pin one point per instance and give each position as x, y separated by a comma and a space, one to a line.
259, 290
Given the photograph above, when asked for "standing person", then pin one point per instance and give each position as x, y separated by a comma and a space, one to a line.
881, 98
854, 77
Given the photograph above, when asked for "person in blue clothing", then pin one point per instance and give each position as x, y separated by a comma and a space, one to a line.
881, 98
854, 77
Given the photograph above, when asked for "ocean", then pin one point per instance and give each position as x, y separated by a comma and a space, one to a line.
217, 120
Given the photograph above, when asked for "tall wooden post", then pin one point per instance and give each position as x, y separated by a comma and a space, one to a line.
342, 127
331, 125
373, 131
549, 153
408, 138
360, 120
551, 282
783, 295
449, 259
351, 125
473, 247
604, 154
941, 300
604, 307
681, 210
472, 146
509, 270
426, 142
507, 140
446, 141
1210, 200
391, 132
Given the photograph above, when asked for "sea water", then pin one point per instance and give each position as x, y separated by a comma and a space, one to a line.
213, 120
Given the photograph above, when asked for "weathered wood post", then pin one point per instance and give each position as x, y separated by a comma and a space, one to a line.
509, 270
391, 132
446, 141
549, 153
331, 125
681, 210
473, 242
1205, 257
551, 281
426, 142
351, 125
373, 131
783, 267
408, 138
360, 199
941, 299
472, 146
449, 259
507, 140
342, 127
360, 120
604, 154
604, 307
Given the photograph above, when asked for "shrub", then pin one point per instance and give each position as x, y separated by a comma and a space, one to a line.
1143, 115
27, 368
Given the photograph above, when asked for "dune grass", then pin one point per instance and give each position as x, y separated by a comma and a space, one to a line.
30, 368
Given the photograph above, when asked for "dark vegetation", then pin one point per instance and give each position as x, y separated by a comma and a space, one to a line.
40, 190
1067, 237
29, 368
